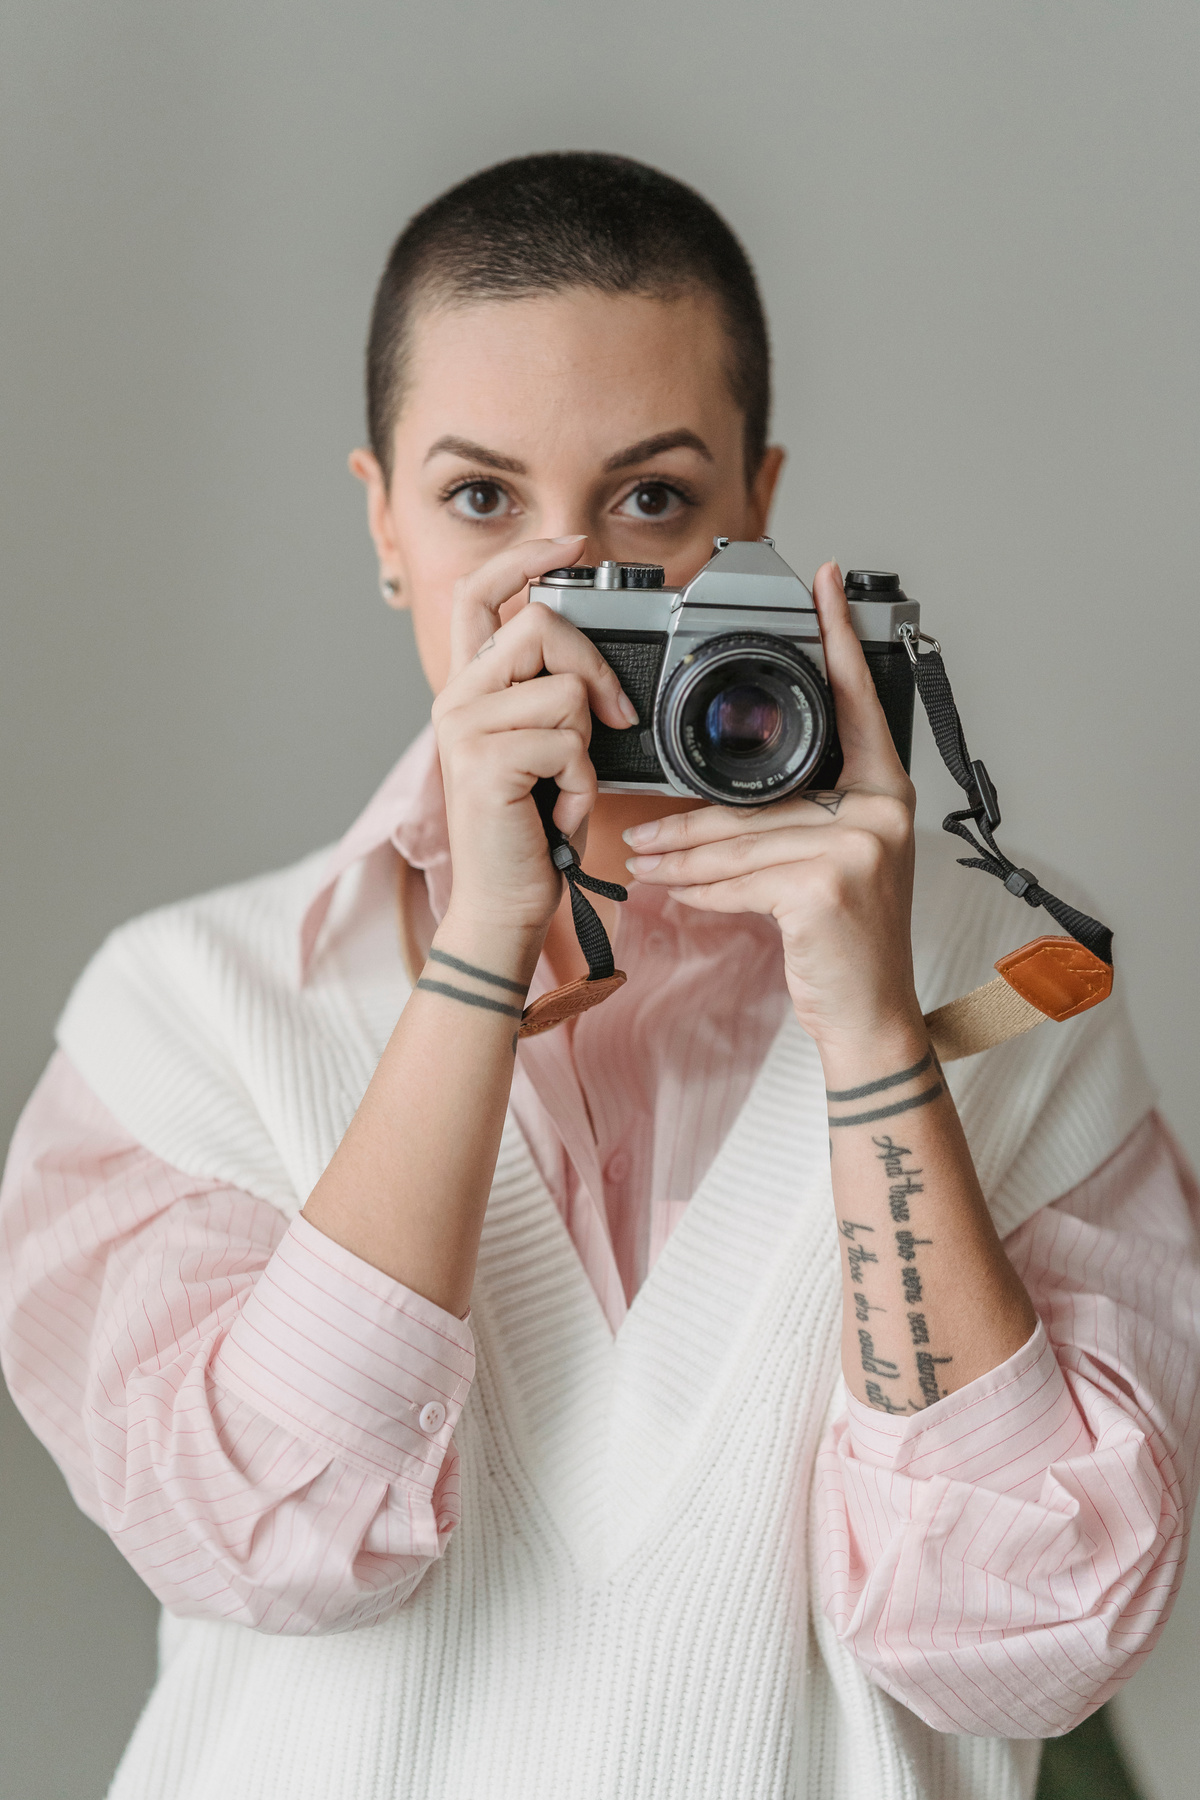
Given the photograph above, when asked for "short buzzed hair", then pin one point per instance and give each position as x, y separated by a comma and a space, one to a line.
539, 224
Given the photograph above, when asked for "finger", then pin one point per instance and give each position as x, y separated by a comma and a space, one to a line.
561, 755
552, 702
733, 857
867, 747
713, 824
539, 639
510, 764
755, 893
478, 597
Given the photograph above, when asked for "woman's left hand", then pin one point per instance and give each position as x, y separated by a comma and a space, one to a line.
835, 869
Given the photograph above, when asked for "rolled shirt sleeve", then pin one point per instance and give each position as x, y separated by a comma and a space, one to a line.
1003, 1560
262, 1422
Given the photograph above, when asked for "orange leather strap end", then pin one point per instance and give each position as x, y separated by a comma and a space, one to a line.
1058, 976
564, 1003
1050, 978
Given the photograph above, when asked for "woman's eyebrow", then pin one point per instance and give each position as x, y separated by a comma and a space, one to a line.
477, 453
656, 446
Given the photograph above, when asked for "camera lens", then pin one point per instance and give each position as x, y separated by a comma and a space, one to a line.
744, 718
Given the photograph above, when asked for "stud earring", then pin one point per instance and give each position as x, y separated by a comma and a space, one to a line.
389, 587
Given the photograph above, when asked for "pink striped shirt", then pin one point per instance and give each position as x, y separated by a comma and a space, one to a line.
264, 1423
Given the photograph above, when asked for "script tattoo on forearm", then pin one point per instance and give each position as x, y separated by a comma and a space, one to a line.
904, 1188
856, 1254
884, 1402
927, 1379
906, 1245
875, 1365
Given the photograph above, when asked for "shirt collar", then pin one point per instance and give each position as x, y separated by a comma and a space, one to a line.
408, 811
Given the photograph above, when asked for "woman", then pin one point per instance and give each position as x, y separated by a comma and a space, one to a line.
474, 1403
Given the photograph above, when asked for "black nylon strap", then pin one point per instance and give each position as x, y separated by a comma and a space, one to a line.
983, 810
593, 939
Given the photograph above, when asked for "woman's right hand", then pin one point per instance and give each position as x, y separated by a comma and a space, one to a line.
501, 724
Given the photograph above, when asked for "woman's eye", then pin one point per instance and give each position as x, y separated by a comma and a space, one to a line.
481, 500
652, 500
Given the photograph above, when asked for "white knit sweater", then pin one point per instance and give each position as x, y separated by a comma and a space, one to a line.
625, 1613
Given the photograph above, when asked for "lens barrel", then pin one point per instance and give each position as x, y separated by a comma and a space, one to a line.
744, 718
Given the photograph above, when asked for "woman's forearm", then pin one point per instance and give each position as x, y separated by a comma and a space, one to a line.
408, 1186
931, 1301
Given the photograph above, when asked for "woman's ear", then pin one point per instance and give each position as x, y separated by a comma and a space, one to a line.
380, 524
762, 488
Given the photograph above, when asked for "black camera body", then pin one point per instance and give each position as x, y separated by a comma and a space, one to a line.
728, 673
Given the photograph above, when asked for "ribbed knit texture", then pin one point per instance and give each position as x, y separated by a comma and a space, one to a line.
625, 1610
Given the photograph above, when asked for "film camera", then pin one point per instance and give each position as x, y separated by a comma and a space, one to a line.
728, 673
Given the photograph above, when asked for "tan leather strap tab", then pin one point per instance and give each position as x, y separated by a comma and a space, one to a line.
564, 1003
1058, 976
987, 1015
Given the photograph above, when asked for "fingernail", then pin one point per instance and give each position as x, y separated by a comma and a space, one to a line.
641, 834
837, 571
642, 865
577, 539
627, 709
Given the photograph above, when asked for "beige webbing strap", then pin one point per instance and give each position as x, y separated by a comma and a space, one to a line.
988, 1015
1050, 978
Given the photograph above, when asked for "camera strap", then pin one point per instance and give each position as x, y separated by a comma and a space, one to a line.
603, 977
1050, 977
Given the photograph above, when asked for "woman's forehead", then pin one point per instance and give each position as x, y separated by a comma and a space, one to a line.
611, 369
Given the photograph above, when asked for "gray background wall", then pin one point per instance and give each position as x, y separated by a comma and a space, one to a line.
976, 230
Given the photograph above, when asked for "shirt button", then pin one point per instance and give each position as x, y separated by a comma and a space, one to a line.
432, 1416
657, 943
618, 1166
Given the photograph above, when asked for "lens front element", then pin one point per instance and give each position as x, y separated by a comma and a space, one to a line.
745, 718
743, 721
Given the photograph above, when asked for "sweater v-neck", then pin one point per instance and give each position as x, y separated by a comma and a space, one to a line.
584, 1400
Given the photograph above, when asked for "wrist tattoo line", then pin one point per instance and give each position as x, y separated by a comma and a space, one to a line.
889, 1112
885, 1081
453, 993
466, 968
